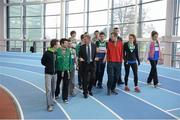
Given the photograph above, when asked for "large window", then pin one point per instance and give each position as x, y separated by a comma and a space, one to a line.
34, 21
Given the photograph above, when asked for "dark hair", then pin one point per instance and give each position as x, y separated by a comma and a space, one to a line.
53, 42
96, 31
85, 32
116, 28
102, 33
113, 33
154, 33
72, 32
134, 36
63, 40
82, 36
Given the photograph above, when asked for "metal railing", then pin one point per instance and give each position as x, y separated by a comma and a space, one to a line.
173, 44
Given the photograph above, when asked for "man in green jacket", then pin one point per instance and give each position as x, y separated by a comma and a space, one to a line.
64, 63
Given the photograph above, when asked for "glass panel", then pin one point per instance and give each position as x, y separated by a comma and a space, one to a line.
33, 0
28, 45
121, 3
154, 10
124, 15
15, 33
33, 34
76, 6
75, 20
14, 1
16, 46
52, 33
15, 22
148, 27
52, 21
53, 9
126, 29
15, 11
98, 18
99, 28
33, 10
39, 46
98, 5
147, 1
33, 22
178, 27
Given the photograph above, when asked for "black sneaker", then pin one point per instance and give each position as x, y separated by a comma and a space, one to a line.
114, 92
108, 92
90, 93
85, 96
120, 83
80, 87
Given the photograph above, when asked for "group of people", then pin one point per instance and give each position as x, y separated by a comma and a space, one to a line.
89, 57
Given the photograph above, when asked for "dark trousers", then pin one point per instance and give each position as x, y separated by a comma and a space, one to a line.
79, 78
79, 73
120, 79
65, 77
100, 66
153, 72
134, 69
113, 74
88, 77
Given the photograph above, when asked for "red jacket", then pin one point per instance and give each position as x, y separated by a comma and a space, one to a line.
115, 53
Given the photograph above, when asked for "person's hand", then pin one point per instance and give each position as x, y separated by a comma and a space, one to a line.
104, 60
81, 59
96, 59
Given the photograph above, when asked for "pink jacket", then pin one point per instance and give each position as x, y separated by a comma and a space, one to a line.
152, 49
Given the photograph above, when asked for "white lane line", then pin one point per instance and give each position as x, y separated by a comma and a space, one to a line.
32, 60
150, 104
120, 118
59, 105
23, 70
22, 64
115, 114
163, 67
161, 76
170, 110
161, 88
15, 100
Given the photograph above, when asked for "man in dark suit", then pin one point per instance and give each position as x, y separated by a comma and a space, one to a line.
87, 55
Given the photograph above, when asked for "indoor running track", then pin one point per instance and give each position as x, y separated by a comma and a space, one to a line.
23, 75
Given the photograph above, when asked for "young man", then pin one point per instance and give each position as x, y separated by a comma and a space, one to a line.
73, 38
72, 72
87, 54
101, 59
64, 62
49, 61
117, 34
114, 60
96, 36
78, 62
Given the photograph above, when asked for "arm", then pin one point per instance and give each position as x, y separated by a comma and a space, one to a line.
44, 59
124, 53
81, 54
137, 54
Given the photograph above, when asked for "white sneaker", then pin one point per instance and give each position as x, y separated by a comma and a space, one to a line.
57, 97
50, 108
65, 101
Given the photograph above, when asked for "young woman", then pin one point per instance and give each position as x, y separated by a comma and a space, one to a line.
131, 58
153, 56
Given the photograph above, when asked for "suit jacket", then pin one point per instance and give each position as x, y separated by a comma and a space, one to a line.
83, 53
